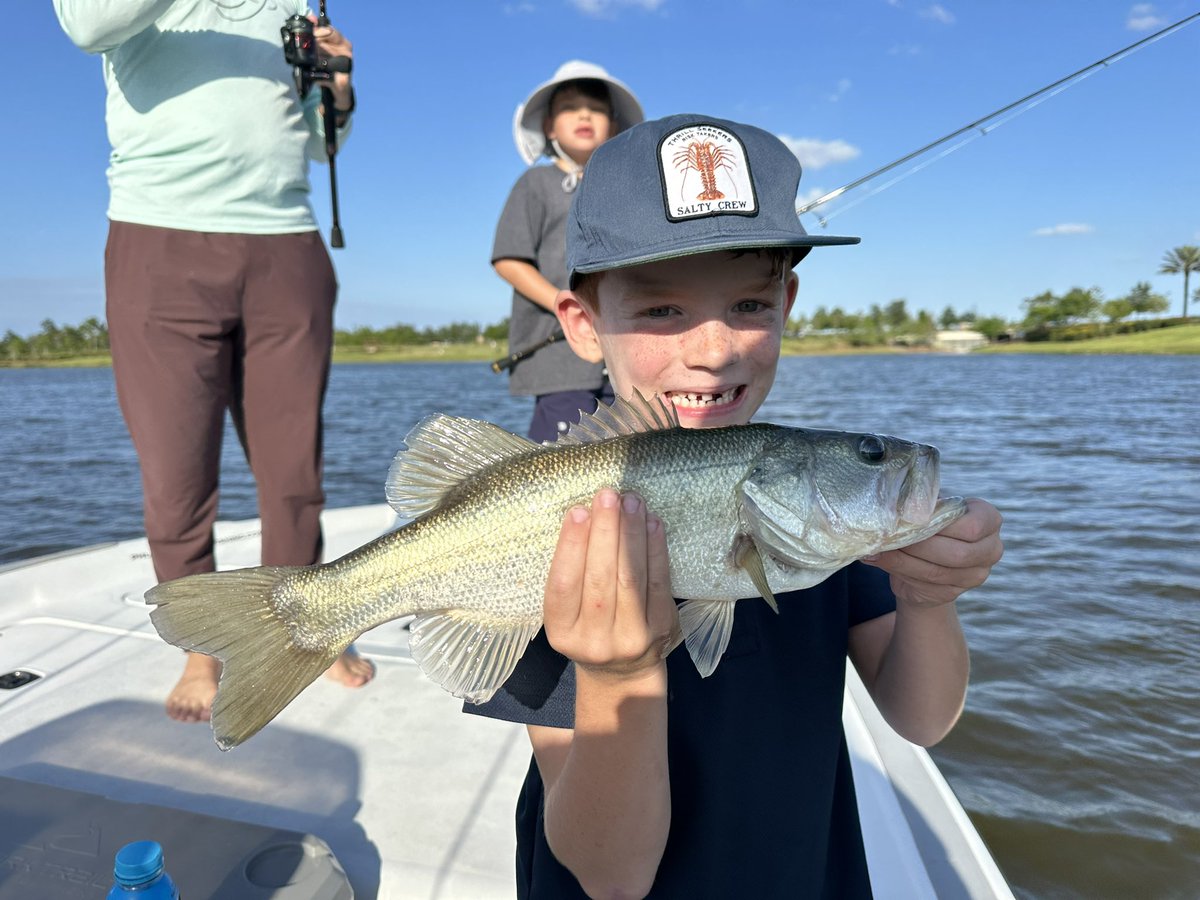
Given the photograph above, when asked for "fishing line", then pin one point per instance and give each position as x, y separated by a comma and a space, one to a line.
980, 126
850, 204
975, 134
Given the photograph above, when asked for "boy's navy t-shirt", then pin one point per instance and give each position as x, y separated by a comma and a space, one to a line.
762, 796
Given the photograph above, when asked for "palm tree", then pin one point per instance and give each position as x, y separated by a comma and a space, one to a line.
1185, 259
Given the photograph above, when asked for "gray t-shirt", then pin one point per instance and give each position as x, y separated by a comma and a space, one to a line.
532, 228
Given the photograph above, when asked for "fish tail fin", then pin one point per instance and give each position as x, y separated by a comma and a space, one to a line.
230, 616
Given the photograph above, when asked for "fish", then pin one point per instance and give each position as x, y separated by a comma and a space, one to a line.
748, 511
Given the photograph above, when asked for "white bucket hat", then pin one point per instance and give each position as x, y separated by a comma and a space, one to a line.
527, 122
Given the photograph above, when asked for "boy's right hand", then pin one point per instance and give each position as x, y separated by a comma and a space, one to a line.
608, 602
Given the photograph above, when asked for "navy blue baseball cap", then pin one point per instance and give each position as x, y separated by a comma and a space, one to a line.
682, 185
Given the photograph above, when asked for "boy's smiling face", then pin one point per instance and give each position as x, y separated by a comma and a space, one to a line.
702, 331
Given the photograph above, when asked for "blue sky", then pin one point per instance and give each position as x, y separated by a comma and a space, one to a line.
1090, 188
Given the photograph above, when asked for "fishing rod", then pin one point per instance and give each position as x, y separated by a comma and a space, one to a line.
301, 52
507, 362
979, 126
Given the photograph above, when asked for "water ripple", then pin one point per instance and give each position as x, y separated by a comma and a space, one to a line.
1079, 750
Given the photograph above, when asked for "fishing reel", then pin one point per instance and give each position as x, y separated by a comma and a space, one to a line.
300, 52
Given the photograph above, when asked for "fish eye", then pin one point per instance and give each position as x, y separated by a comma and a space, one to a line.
871, 449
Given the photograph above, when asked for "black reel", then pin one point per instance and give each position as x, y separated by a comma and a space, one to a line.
301, 53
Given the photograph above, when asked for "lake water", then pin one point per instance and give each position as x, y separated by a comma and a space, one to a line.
1078, 756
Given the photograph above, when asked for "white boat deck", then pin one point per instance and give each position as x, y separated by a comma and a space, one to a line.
413, 798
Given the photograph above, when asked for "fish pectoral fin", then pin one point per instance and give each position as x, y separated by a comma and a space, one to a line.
440, 452
467, 657
749, 560
706, 626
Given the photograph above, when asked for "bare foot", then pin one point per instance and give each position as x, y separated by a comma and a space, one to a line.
351, 669
191, 699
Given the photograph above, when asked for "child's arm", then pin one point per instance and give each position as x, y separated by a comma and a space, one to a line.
609, 608
525, 277
914, 662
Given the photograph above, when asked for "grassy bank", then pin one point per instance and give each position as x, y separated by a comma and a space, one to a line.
425, 353
421, 353
832, 346
94, 361
1179, 340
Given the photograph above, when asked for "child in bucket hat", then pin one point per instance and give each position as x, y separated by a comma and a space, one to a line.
564, 120
647, 779
530, 121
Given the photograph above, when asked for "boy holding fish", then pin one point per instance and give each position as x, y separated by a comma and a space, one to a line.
648, 778
721, 771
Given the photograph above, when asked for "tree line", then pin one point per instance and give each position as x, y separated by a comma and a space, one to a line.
401, 335
1078, 313
891, 323
90, 338
57, 342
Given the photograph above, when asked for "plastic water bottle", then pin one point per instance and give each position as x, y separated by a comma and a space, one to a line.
138, 873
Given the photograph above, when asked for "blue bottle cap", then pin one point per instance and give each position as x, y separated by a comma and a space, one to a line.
138, 862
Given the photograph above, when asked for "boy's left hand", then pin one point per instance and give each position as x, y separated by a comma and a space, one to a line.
959, 557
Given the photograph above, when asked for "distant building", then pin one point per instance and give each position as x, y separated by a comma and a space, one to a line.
959, 340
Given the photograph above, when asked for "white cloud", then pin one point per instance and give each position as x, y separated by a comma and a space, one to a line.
1064, 228
516, 9
843, 88
809, 196
938, 13
601, 8
1143, 17
816, 154
904, 50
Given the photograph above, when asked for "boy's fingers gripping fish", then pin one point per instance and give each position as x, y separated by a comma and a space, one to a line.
748, 511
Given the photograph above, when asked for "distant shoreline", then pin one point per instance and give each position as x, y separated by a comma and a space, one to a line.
1177, 341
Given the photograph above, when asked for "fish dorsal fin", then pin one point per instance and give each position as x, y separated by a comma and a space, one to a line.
706, 626
630, 416
466, 657
440, 452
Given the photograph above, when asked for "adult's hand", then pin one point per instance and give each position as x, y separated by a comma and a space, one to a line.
331, 43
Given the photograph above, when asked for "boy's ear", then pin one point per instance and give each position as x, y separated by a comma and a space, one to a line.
576, 319
791, 284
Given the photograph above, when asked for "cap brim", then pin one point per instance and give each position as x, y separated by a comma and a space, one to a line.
709, 245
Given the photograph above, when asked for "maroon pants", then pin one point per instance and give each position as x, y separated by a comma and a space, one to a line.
201, 323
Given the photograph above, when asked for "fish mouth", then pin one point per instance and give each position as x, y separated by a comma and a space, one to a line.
918, 495
705, 400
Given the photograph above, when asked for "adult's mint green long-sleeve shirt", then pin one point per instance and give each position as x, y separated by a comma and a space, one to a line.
207, 130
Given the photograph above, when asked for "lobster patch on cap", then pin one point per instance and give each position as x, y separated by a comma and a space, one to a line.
705, 172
